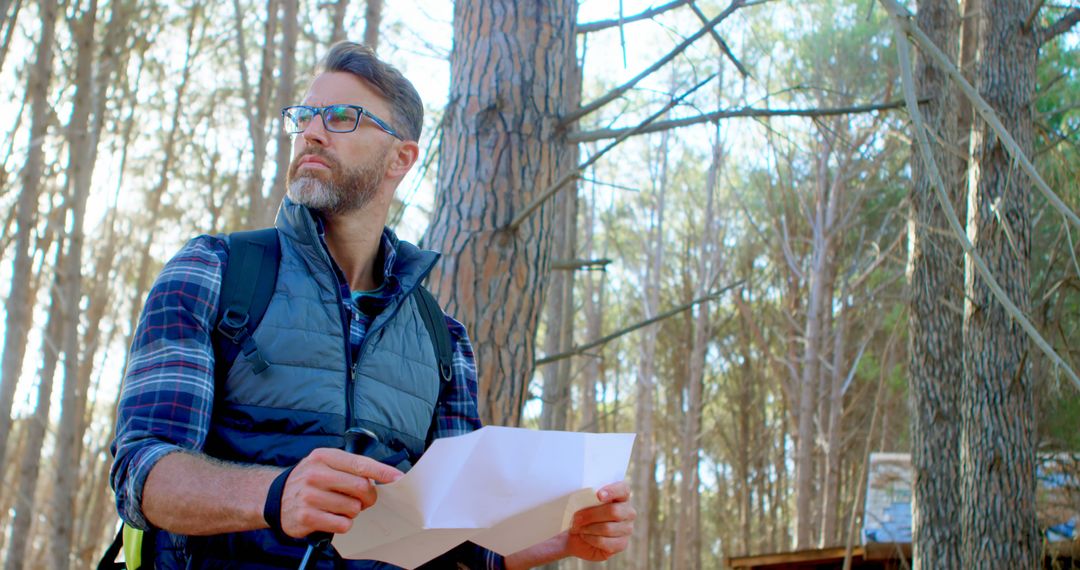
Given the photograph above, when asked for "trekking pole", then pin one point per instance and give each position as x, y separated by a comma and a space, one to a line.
356, 441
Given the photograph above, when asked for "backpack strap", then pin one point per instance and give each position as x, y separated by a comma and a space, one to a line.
435, 323
246, 287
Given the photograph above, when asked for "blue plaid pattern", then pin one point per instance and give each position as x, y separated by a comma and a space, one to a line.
168, 390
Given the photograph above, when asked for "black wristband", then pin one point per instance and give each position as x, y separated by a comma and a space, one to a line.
272, 507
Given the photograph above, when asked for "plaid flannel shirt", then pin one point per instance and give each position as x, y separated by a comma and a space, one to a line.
168, 390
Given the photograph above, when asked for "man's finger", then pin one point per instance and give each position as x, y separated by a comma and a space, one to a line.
609, 512
609, 529
361, 466
614, 493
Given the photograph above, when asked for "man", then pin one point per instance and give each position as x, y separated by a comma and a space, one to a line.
203, 471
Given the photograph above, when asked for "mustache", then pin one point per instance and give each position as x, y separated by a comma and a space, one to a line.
322, 154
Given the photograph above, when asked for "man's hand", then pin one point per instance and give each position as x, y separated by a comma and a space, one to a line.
600, 532
328, 488
596, 533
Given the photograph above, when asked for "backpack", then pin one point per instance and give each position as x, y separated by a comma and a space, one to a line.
246, 288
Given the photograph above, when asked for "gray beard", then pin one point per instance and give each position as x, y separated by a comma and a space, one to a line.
335, 194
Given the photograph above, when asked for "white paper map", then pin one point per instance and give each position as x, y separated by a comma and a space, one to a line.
502, 488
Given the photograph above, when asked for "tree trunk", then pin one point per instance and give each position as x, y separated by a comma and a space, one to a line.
935, 351
830, 509
372, 20
997, 473
286, 93
593, 307
500, 148
27, 510
20, 303
338, 32
559, 334
258, 104
644, 465
81, 144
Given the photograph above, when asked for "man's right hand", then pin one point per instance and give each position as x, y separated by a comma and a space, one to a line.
328, 488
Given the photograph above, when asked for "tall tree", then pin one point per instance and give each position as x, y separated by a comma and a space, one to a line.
500, 149
935, 275
997, 472
19, 306
286, 93
372, 21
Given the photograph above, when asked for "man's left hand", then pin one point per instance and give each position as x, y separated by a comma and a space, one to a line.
600, 532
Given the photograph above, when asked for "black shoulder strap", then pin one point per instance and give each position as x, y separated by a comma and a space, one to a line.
435, 324
246, 288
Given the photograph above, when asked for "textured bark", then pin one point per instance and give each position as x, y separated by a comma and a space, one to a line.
997, 473
511, 73
20, 304
286, 93
372, 21
935, 276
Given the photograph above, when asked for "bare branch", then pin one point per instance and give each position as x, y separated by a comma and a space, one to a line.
606, 339
605, 24
1064, 24
576, 264
618, 91
903, 47
598, 134
903, 19
576, 173
720, 41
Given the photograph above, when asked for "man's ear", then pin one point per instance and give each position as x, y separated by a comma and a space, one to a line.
402, 158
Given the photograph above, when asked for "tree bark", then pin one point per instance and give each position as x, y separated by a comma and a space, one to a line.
997, 473
20, 304
511, 72
258, 103
935, 351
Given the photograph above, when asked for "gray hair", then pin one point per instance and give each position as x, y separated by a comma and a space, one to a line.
359, 60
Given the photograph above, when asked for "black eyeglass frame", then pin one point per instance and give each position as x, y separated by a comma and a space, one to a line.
321, 111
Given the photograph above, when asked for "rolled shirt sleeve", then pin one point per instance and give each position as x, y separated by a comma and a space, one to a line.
167, 395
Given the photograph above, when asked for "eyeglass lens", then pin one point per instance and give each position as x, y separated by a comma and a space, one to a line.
336, 118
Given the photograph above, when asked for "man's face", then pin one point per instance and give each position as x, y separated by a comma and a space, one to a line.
335, 173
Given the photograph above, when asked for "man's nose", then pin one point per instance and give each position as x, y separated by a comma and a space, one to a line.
315, 132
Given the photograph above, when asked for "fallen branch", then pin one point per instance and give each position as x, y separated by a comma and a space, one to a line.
621, 332
927, 46
907, 79
599, 134
580, 112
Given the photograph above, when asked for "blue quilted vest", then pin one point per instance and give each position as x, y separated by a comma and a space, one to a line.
312, 391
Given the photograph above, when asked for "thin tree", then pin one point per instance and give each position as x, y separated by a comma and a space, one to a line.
20, 305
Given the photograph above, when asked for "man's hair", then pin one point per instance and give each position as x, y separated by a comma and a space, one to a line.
359, 60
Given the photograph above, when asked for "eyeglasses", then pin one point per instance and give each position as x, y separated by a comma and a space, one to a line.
336, 118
